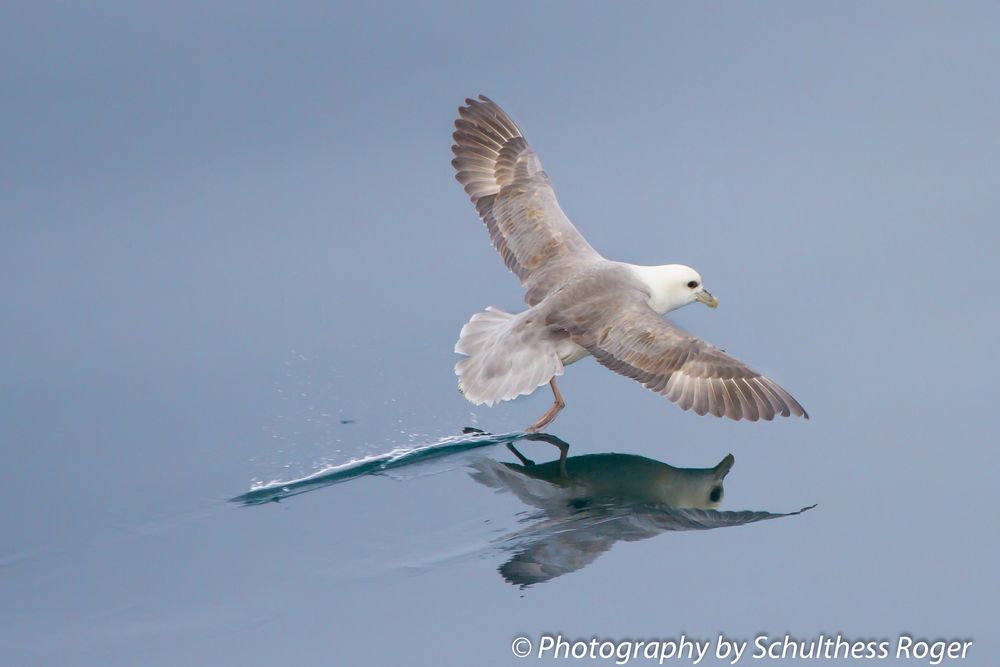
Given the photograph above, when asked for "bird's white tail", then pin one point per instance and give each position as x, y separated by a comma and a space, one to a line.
508, 356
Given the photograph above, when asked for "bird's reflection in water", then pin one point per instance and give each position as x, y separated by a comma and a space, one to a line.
587, 503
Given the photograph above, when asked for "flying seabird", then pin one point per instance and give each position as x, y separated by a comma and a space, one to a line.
581, 304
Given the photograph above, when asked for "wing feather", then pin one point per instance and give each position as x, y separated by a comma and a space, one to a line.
611, 318
512, 193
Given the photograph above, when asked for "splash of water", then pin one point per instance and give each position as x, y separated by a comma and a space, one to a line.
276, 490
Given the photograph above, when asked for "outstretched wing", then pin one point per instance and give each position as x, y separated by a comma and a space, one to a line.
514, 197
619, 328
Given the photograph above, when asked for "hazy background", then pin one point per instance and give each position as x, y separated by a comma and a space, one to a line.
225, 229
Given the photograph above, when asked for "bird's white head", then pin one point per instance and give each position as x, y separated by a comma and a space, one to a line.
700, 488
674, 285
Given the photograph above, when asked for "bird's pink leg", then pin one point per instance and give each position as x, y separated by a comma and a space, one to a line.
550, 414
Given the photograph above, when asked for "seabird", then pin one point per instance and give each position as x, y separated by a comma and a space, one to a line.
580, 303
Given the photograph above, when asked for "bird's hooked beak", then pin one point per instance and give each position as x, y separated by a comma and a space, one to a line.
706, 298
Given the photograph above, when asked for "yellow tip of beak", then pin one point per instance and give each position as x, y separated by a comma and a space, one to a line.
708, 299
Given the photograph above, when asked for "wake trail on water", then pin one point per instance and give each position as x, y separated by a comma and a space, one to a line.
375, 464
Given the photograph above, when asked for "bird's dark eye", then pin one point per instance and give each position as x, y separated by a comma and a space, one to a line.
693, 284
716, 494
